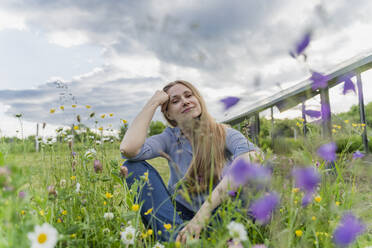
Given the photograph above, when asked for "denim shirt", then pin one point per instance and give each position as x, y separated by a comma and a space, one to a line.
178, 148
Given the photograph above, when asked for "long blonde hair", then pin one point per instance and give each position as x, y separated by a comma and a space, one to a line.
208, 144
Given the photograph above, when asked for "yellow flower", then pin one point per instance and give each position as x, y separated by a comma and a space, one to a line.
111, 115
100, 128
178, 244
23, 212
124, 121
159, 232
318, 198
103, 116
148, 211
76, 127
354, 124
64, 212
295, 201
298, 233
167, 226
108, 195
104, 203
346, 121
52, 111
339, 127
302, 119
146, 176
73, 105
73, 177
334, 130
338, 203
42, 212
144, 235
59, 220
135, 207
88, 106
73, 235
295, 190
149, 232
62, 107
313, 218
363, 124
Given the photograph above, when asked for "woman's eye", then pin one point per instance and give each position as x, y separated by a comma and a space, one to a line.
174, 102
188, 96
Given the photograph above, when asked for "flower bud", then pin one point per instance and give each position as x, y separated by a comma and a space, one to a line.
97, 166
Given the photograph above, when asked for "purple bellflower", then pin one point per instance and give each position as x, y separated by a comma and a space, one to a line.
306, 178
348, 83
243, 172
262, 208
301, 45
328, 151
348, 229
319, 80
229, 101
358, 154
313, 113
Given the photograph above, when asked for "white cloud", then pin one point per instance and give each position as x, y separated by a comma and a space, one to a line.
68, 38
9, 20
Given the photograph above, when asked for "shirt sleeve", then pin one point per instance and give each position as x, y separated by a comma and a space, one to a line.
237, 143
153, 146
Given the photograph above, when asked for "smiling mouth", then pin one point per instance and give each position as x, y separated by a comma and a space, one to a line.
186, 110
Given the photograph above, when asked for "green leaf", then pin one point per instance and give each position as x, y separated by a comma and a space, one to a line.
1, 159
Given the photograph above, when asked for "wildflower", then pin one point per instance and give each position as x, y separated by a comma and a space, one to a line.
148, 211
103, 116
90, 153
52, 190
43, 236
88, 106
104, 203
22, 194
23, 212
362, 124
41, 212
73, 177
62, 183
158, 245
348, 83
263, 207
135, 207
295, 190
237, 231
159, 232
76, 127
318, 80
108, 216
298, 233
348, 229
77, 187
59, 220
128, 236
358, 154
318, 198
125, 122
108, 195
100, 129
337, 203
144, 235
73, 105
149, 232
123, 171
229, 101
111, 115
167, 226
232, 193
301, 45
64, 212
178, 244
244, 172
354, 124
313, 218
146, 176
306, 178
73, 235
97, 166
328, 151
346, 121
313, 113
52, 111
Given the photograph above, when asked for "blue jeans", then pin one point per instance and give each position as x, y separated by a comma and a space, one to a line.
155, 195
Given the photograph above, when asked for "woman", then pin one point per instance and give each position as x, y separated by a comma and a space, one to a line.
198, 150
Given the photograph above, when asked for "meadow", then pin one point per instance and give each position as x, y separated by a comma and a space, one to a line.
79, 189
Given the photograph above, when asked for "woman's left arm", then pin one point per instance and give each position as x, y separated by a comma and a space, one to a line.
219, 194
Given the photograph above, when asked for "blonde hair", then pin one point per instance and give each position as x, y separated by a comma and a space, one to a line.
208, 144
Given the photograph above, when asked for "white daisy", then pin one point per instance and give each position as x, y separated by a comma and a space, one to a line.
128, 236
77, 187
90, 153
62, 183
158, 245
44, 236
108, 216
237, 231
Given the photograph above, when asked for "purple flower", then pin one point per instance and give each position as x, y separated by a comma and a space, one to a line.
243, 172
325, 111
229, 101
97, 166
328, 151
303, 43
348, 229
358, 154
232, 193
348, 85
319, 80
313, 113
306, 178
308, 198
263, 207
22, 194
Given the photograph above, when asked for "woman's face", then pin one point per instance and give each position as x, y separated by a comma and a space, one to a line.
183, 105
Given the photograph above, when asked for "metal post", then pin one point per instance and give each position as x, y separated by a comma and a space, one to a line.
256, 127
272, 123
326, 115
362, 113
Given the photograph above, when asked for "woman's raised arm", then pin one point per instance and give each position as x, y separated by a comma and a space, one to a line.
136, 134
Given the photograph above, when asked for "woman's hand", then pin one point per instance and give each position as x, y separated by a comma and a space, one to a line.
193, 228
159, 97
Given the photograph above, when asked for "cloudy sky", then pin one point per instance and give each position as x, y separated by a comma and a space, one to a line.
113, 55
